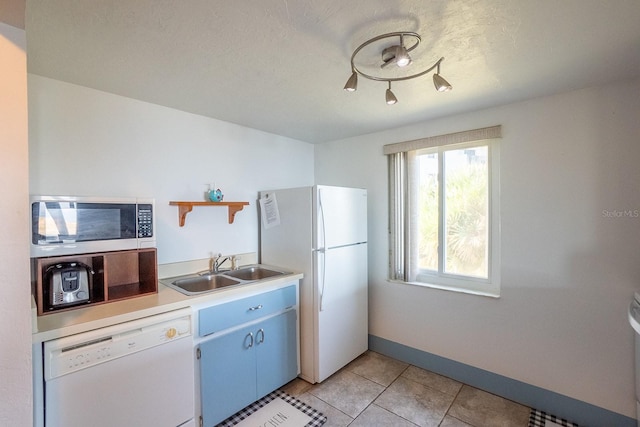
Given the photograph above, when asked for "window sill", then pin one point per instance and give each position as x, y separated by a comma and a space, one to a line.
451, 288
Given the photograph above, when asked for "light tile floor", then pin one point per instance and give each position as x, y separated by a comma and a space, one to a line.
375, 390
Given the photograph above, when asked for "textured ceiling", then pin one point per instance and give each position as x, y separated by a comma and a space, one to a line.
280, 66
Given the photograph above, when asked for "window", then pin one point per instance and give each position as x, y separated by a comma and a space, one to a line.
444, 211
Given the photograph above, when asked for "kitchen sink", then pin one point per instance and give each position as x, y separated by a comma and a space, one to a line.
194, 284
205, 283
253, 273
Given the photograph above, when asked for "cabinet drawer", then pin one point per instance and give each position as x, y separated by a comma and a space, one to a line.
223, 316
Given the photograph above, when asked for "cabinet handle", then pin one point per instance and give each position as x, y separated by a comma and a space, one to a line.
257, 307
251, 339
261, 334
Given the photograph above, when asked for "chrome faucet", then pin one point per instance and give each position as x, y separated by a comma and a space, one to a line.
215, 262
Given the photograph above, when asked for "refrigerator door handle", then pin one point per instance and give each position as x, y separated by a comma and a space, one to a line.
321, 248
322, 221
321, 270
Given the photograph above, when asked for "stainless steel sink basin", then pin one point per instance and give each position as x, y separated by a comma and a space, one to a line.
253, 273
205, 283
194, 284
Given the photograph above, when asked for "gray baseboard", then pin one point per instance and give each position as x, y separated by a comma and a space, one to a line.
559, 405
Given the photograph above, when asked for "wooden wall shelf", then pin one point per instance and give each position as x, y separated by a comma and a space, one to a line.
185, 207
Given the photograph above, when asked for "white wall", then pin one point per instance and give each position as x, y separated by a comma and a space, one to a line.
568, 270
15, 290
87, 142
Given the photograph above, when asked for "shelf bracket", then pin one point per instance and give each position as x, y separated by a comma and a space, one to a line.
233, 209
183, 210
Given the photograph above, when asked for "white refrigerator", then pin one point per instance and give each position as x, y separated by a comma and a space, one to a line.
321, 231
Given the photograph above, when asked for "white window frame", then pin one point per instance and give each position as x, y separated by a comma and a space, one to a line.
403, 255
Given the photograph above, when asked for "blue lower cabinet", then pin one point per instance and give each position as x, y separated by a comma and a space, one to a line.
239, 367
227, 375
277, 353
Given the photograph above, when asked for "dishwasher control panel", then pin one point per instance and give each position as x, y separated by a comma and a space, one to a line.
88, 349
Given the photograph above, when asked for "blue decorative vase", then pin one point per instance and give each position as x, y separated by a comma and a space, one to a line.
216, 195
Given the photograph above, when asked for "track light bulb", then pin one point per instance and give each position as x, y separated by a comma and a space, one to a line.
402, 57
398, 55
352, 83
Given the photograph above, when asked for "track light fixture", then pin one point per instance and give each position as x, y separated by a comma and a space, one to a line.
440, 83
390, 97
397, 55
352, 83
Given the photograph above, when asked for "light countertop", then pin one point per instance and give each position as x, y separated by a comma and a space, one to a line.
57, 325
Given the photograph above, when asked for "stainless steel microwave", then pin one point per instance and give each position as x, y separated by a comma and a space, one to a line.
76, 225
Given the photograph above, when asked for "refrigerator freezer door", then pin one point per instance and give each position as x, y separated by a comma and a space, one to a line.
342, 308
341, 216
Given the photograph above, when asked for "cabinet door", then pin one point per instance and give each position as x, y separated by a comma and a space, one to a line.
277, 355
227, 374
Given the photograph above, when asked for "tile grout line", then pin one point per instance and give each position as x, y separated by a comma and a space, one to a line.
372, 400
450, 405
378, 395
328, 404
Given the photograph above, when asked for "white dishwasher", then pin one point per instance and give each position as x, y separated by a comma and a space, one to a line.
138, 373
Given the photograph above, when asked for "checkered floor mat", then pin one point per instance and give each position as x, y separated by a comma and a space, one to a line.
542, 419
317, 419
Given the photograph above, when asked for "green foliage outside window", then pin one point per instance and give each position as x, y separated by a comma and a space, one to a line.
465, 213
